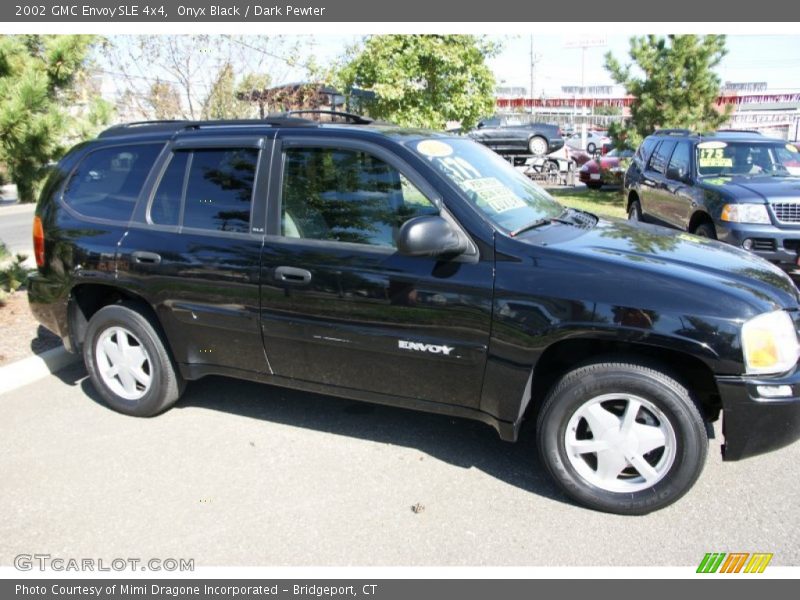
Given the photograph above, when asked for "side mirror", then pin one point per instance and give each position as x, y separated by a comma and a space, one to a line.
481, 125
430, 236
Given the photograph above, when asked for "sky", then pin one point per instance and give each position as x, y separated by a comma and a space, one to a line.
774, 59
771, 58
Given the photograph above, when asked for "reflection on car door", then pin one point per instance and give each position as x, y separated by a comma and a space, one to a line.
195, 252
677, 198
654, 180
340, 306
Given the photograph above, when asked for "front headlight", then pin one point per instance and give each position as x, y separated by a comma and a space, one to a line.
745, 213
769, 342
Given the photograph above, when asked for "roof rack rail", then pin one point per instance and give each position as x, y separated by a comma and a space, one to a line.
673, 131
172, 126
353, 118
753, 131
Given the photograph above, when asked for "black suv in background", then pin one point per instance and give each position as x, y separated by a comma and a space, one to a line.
739, 187
420, 270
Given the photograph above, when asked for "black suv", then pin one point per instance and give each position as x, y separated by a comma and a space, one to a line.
736, 186
420, 270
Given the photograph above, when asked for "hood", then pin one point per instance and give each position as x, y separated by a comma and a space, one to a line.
762, 187
657, 260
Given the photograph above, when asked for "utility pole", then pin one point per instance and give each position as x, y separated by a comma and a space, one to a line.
535, 58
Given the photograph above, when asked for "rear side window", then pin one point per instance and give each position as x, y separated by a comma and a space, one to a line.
661, 156
108, 181
643, 153
219, 189
166, 206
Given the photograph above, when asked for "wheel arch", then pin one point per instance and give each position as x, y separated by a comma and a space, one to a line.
633, 196
698, 218
86, 299
568, 354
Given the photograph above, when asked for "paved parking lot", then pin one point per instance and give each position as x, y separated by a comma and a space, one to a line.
246, 474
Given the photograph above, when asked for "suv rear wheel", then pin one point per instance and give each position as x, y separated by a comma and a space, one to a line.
128, 362
622, 437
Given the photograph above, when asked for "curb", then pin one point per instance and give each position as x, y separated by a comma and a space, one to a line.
23, 372
8, 208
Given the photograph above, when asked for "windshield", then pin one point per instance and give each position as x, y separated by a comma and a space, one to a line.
508, 198
747, 158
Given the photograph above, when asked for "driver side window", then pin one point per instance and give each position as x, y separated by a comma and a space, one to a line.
346, 195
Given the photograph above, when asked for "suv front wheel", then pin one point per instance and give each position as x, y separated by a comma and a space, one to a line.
128, 362
622, 437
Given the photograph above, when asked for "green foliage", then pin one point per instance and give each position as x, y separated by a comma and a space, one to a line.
422, 80
13, 275
673, 83
38, 77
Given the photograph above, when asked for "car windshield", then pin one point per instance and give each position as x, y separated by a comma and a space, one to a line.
718, 158
508, 198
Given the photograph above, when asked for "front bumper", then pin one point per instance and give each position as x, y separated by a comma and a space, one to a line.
777, 245
753, 424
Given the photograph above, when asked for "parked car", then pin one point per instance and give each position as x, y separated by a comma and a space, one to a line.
419, 270
738, 187
606, 170
556, 166
510, 137
594, 141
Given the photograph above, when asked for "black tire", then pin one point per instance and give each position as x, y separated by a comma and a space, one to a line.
165, 386
635, 211
580, 388
705, 230
537, 145
591, 148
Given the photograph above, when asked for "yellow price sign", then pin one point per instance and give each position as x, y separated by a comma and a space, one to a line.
714, 157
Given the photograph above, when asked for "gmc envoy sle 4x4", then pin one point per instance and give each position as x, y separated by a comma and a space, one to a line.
420, 270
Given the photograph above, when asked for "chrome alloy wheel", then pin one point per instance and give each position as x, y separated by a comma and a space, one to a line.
620, 443
123, 363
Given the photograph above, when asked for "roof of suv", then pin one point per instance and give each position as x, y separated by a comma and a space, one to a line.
722, 134
350, 121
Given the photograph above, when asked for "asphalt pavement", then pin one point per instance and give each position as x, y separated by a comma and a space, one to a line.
241, 474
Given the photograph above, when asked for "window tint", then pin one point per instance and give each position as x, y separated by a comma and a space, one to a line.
220, 189
679, 163
643, 153
108, 181
166, 206
346, 196
660, 157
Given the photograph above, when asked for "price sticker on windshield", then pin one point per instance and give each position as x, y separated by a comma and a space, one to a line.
492, 193
714, 157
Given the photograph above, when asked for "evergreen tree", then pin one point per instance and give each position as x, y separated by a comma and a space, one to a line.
38, 74
673, 84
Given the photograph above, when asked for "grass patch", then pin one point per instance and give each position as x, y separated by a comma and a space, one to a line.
603, 202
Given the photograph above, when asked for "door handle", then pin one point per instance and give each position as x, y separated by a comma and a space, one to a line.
146, 258
293, 275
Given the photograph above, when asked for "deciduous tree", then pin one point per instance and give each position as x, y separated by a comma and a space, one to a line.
422, 80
